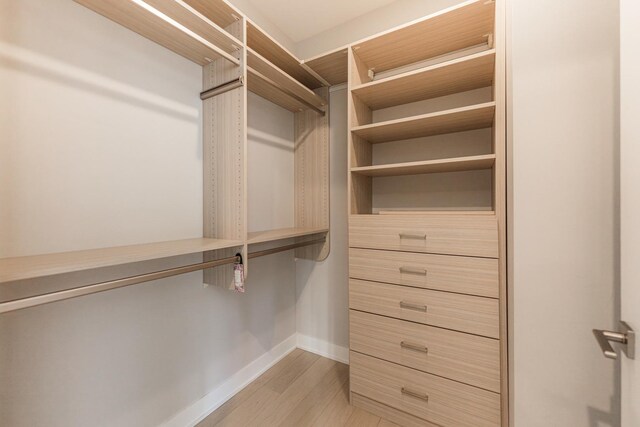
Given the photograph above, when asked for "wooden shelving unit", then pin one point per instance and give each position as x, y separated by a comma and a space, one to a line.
458, 75
32, 267
331, 66
429, 166
171, 25
448, 121
282, 233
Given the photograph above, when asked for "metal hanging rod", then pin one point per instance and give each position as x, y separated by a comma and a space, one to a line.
34, 301
222, 88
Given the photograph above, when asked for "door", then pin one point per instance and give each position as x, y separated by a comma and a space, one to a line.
630, 200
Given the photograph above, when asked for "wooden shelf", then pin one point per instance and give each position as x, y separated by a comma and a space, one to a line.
456, 120
458, 164
282, 233
331, 66
458, 75
218, 11
260, 42
171, 25
30, 267
268, 77
456, 28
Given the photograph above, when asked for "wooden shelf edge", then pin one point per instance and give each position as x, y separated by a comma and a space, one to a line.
35, 266
456, 164
282, 233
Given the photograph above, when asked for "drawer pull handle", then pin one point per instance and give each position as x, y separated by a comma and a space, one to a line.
412, 306
414, 347
416, 236
421, 396
414, 270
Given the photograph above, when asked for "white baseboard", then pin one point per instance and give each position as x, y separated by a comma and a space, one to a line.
213, 400
323, 348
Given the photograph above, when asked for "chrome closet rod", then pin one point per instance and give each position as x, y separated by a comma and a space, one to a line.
23, 303
222, 88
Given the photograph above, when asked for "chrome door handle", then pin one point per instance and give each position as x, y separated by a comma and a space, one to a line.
627, 338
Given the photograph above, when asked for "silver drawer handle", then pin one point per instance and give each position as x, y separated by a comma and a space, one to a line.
414, 347
412, 306
417, 236
414, 270
421, 396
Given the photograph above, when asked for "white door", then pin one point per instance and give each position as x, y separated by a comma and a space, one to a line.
630, 200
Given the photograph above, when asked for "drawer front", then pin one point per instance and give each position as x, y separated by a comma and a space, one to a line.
471, 235
462, 357
475, 315
467, 275
435, 399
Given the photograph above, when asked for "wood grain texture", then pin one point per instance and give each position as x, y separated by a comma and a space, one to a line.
438, 123
456, 28
468, 235
458, 312
260, 42
449, 403
34, 266
225, 165
311, 176
184, 42
219, 11
331, 66
465, 275
458, 164
282, 233
387, 412
458, 75
466, 358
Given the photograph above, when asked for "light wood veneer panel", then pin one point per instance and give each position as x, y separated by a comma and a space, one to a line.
469, 235
458, 75
456, 28
332, 66
466, 275
449, 403
388, 413
458, 164
465, 313
282, 233
462, 357
219, 11
448, 121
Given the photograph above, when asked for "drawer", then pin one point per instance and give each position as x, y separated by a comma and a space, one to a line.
462, 357
432, 398
467, 275
466, 313
469, 235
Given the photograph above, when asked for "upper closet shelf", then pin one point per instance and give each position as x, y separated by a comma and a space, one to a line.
282, 233
455, 120
331, 66
456, 28
458, 75
458, 164
267, 80
29, 267
263, 44
172, 24
218, 11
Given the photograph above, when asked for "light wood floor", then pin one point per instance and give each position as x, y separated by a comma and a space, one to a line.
301, 390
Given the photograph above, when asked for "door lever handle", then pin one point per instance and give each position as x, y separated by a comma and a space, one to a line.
626, 337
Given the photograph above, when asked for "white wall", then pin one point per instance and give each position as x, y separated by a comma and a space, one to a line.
100, 145
564, 78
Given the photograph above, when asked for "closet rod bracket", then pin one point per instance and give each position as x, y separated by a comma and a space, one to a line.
222, 88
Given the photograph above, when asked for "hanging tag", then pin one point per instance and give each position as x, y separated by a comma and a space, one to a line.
238, 275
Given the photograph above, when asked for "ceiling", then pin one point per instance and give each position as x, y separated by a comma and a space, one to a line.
301, 19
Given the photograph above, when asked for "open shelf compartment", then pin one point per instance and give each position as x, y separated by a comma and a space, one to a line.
429, 166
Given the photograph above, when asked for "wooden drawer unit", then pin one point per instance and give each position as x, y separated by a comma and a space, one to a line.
462, 357
432, 398
469, 235
465, 313
466, 275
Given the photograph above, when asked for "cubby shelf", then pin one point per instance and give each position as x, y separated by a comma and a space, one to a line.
455, 120
30, 267
269, 80
282, 233
174, 25
457, 164
445, 78
260, 42
456, 28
